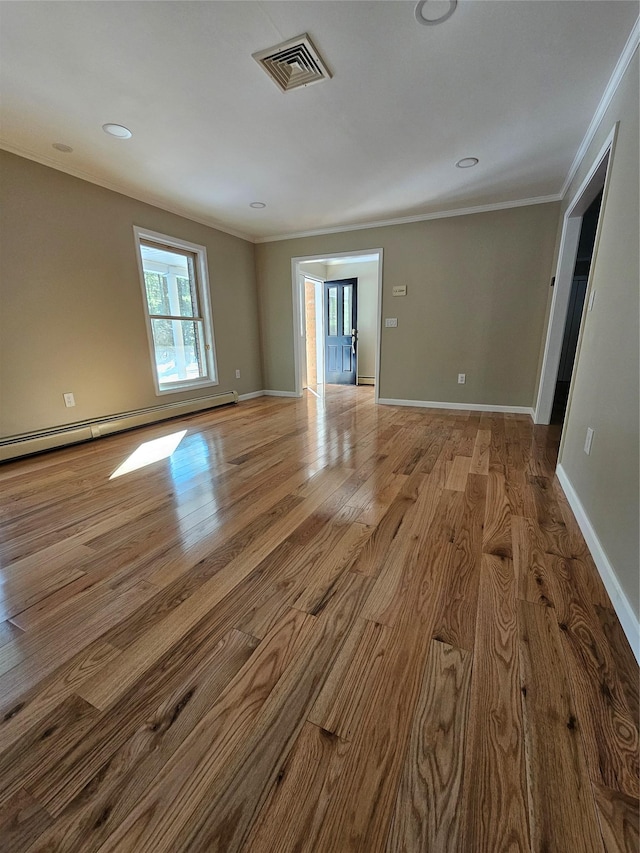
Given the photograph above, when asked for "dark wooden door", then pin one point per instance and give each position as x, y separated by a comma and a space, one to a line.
340, 331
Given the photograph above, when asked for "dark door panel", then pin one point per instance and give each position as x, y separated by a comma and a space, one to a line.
341, 331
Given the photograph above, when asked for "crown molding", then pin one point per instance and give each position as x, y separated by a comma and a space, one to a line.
612, 86
618, 73
422, 217
146, 198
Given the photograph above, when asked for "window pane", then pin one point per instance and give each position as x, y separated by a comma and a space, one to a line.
333, 311
157, 293
179, 350
170, 281
175, 292
347, 318
187, 298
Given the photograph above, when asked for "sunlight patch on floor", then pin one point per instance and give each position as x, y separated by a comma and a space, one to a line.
149, 452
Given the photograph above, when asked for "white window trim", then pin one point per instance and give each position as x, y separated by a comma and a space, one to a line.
203, 281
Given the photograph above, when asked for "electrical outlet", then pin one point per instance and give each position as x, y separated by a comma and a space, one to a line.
391, 322
588, 440
69, 400
237, 374
462, 378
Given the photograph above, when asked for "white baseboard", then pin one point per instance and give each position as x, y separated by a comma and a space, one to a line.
281, 394
474, 407
264, 393
366, 380
25, 444
621, 604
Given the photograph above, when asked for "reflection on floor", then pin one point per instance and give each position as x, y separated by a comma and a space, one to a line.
319, 625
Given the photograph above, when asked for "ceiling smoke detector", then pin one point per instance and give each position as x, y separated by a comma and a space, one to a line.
293, 63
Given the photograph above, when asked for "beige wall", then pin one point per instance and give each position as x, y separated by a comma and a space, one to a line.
605, 393
72, 316
477, 293
367, 274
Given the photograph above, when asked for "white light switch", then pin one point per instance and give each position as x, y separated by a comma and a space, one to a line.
69, 400
588, 440
400, 290
391, 322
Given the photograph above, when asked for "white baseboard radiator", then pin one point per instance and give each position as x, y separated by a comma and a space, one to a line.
14, 446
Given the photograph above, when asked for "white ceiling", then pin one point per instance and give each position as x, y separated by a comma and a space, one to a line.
513, 82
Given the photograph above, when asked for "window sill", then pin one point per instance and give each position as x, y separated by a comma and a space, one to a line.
177, 387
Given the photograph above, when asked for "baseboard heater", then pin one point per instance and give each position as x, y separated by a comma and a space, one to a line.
47, 439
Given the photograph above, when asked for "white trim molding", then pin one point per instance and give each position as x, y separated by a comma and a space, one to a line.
621, 604
138, 195
204, 302
250, 396
403, 220
263, 393
14, 446
466, 407
148, 198
155, 201
612, 86
297, 302
597, 178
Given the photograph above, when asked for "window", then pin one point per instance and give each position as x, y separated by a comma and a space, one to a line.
333, 311
173, 275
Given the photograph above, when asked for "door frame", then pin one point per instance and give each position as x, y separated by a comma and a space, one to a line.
319, 304
597, 179
298, 318
353, 283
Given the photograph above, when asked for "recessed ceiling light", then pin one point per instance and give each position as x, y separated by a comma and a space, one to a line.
60, 146
258, 205
117, 130
430, 12
467, 162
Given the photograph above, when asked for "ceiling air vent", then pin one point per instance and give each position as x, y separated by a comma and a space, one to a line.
293, 63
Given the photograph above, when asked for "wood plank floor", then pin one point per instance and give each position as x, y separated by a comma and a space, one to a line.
318, 626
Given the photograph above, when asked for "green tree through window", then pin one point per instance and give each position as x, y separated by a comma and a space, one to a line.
174, 277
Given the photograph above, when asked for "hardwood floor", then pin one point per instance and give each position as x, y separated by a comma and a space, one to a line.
318, 626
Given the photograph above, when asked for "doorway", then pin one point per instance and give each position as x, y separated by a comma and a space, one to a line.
575, 310
592, 188
357, 346
341, 331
